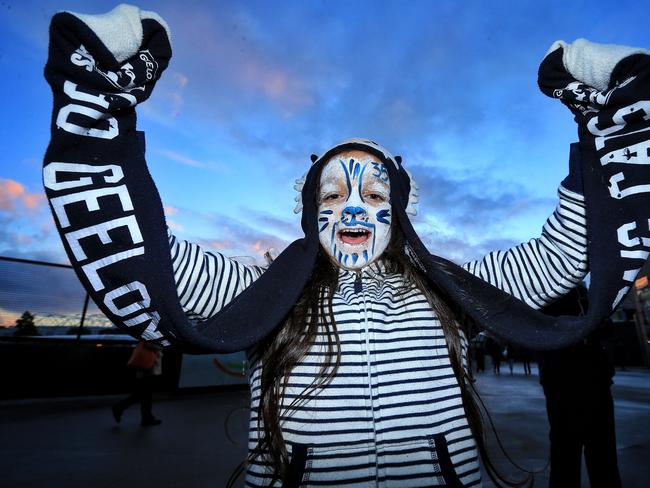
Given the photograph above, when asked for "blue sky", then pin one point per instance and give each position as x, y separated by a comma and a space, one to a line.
255, 87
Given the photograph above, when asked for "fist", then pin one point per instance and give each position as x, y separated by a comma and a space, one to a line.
587, 76
118, 55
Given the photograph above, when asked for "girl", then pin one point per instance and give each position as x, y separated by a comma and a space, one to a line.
359, 372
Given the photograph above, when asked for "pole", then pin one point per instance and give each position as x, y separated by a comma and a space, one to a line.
83, 317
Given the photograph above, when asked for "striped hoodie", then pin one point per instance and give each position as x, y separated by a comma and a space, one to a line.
392, 416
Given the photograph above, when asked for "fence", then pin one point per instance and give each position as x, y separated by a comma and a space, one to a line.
49, 361
51, 293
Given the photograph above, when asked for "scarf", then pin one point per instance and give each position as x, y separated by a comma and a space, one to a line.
110, 217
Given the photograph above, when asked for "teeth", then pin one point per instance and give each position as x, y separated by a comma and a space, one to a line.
354, 231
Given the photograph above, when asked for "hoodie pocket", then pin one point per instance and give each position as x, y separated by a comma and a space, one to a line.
439, 447
424, 460
312, 465
392, 465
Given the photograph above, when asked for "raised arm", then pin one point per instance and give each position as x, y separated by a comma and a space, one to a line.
545, 268
105, 204
99, 69
207, 281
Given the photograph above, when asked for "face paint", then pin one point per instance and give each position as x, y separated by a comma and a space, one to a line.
354, 211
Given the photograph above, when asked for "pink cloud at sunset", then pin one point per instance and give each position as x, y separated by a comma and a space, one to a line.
238, 56
14, 196
175, 226
180, 79
169, 101
240, 248
7, 318
216, 244
275, 84
262, 246
169, 210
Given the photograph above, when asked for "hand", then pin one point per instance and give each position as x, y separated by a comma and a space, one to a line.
117, 56
585, 75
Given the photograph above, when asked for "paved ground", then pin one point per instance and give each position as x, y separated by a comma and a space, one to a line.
75, 443
517, 405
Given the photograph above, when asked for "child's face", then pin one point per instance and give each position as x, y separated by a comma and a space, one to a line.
354, 209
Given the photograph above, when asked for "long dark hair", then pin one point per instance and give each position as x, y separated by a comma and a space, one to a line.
312, 317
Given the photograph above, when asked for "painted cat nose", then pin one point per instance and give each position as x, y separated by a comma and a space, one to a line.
353, 212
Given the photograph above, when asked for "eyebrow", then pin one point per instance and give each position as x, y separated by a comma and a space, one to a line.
332, 181
376, 182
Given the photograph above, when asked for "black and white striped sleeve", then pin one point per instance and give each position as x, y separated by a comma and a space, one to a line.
207, 281
542, 269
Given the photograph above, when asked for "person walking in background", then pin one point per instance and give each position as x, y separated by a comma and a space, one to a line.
494, 350
480, 357
146, 359
509, 353
478, 349
525, 359
576, 382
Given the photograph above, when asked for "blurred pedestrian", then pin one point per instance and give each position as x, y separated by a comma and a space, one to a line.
525, 359
480, 355
580, 408
146, 359
509, 354
493, 348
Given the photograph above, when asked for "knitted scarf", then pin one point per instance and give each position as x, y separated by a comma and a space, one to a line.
108, 212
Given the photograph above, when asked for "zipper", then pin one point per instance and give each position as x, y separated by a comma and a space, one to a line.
358, 288
358, 284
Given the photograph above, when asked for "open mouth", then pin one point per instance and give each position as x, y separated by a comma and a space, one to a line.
353, 236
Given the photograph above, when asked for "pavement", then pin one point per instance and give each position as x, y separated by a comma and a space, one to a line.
76, 443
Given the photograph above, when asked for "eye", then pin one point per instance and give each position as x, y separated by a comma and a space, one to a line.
376, 197
331, 197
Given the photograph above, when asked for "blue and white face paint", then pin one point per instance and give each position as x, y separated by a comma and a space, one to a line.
354, 213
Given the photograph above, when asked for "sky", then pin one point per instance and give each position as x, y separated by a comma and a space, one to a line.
254, 88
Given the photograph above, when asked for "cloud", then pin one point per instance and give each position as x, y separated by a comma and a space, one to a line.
176, 227
244, 56
251, 236
464, 216
261, 82
33, 200
29, 287
169, 210
276, 84
243, 239
216, 244
8, 317
459, 249
472, 199
26, 225
252, 250
191, 162
180, 79
289, 228
290, 81
22, 236
261, 78
27, 231
15, 198
166, 106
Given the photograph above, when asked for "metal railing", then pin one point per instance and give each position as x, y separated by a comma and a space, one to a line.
51, 292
